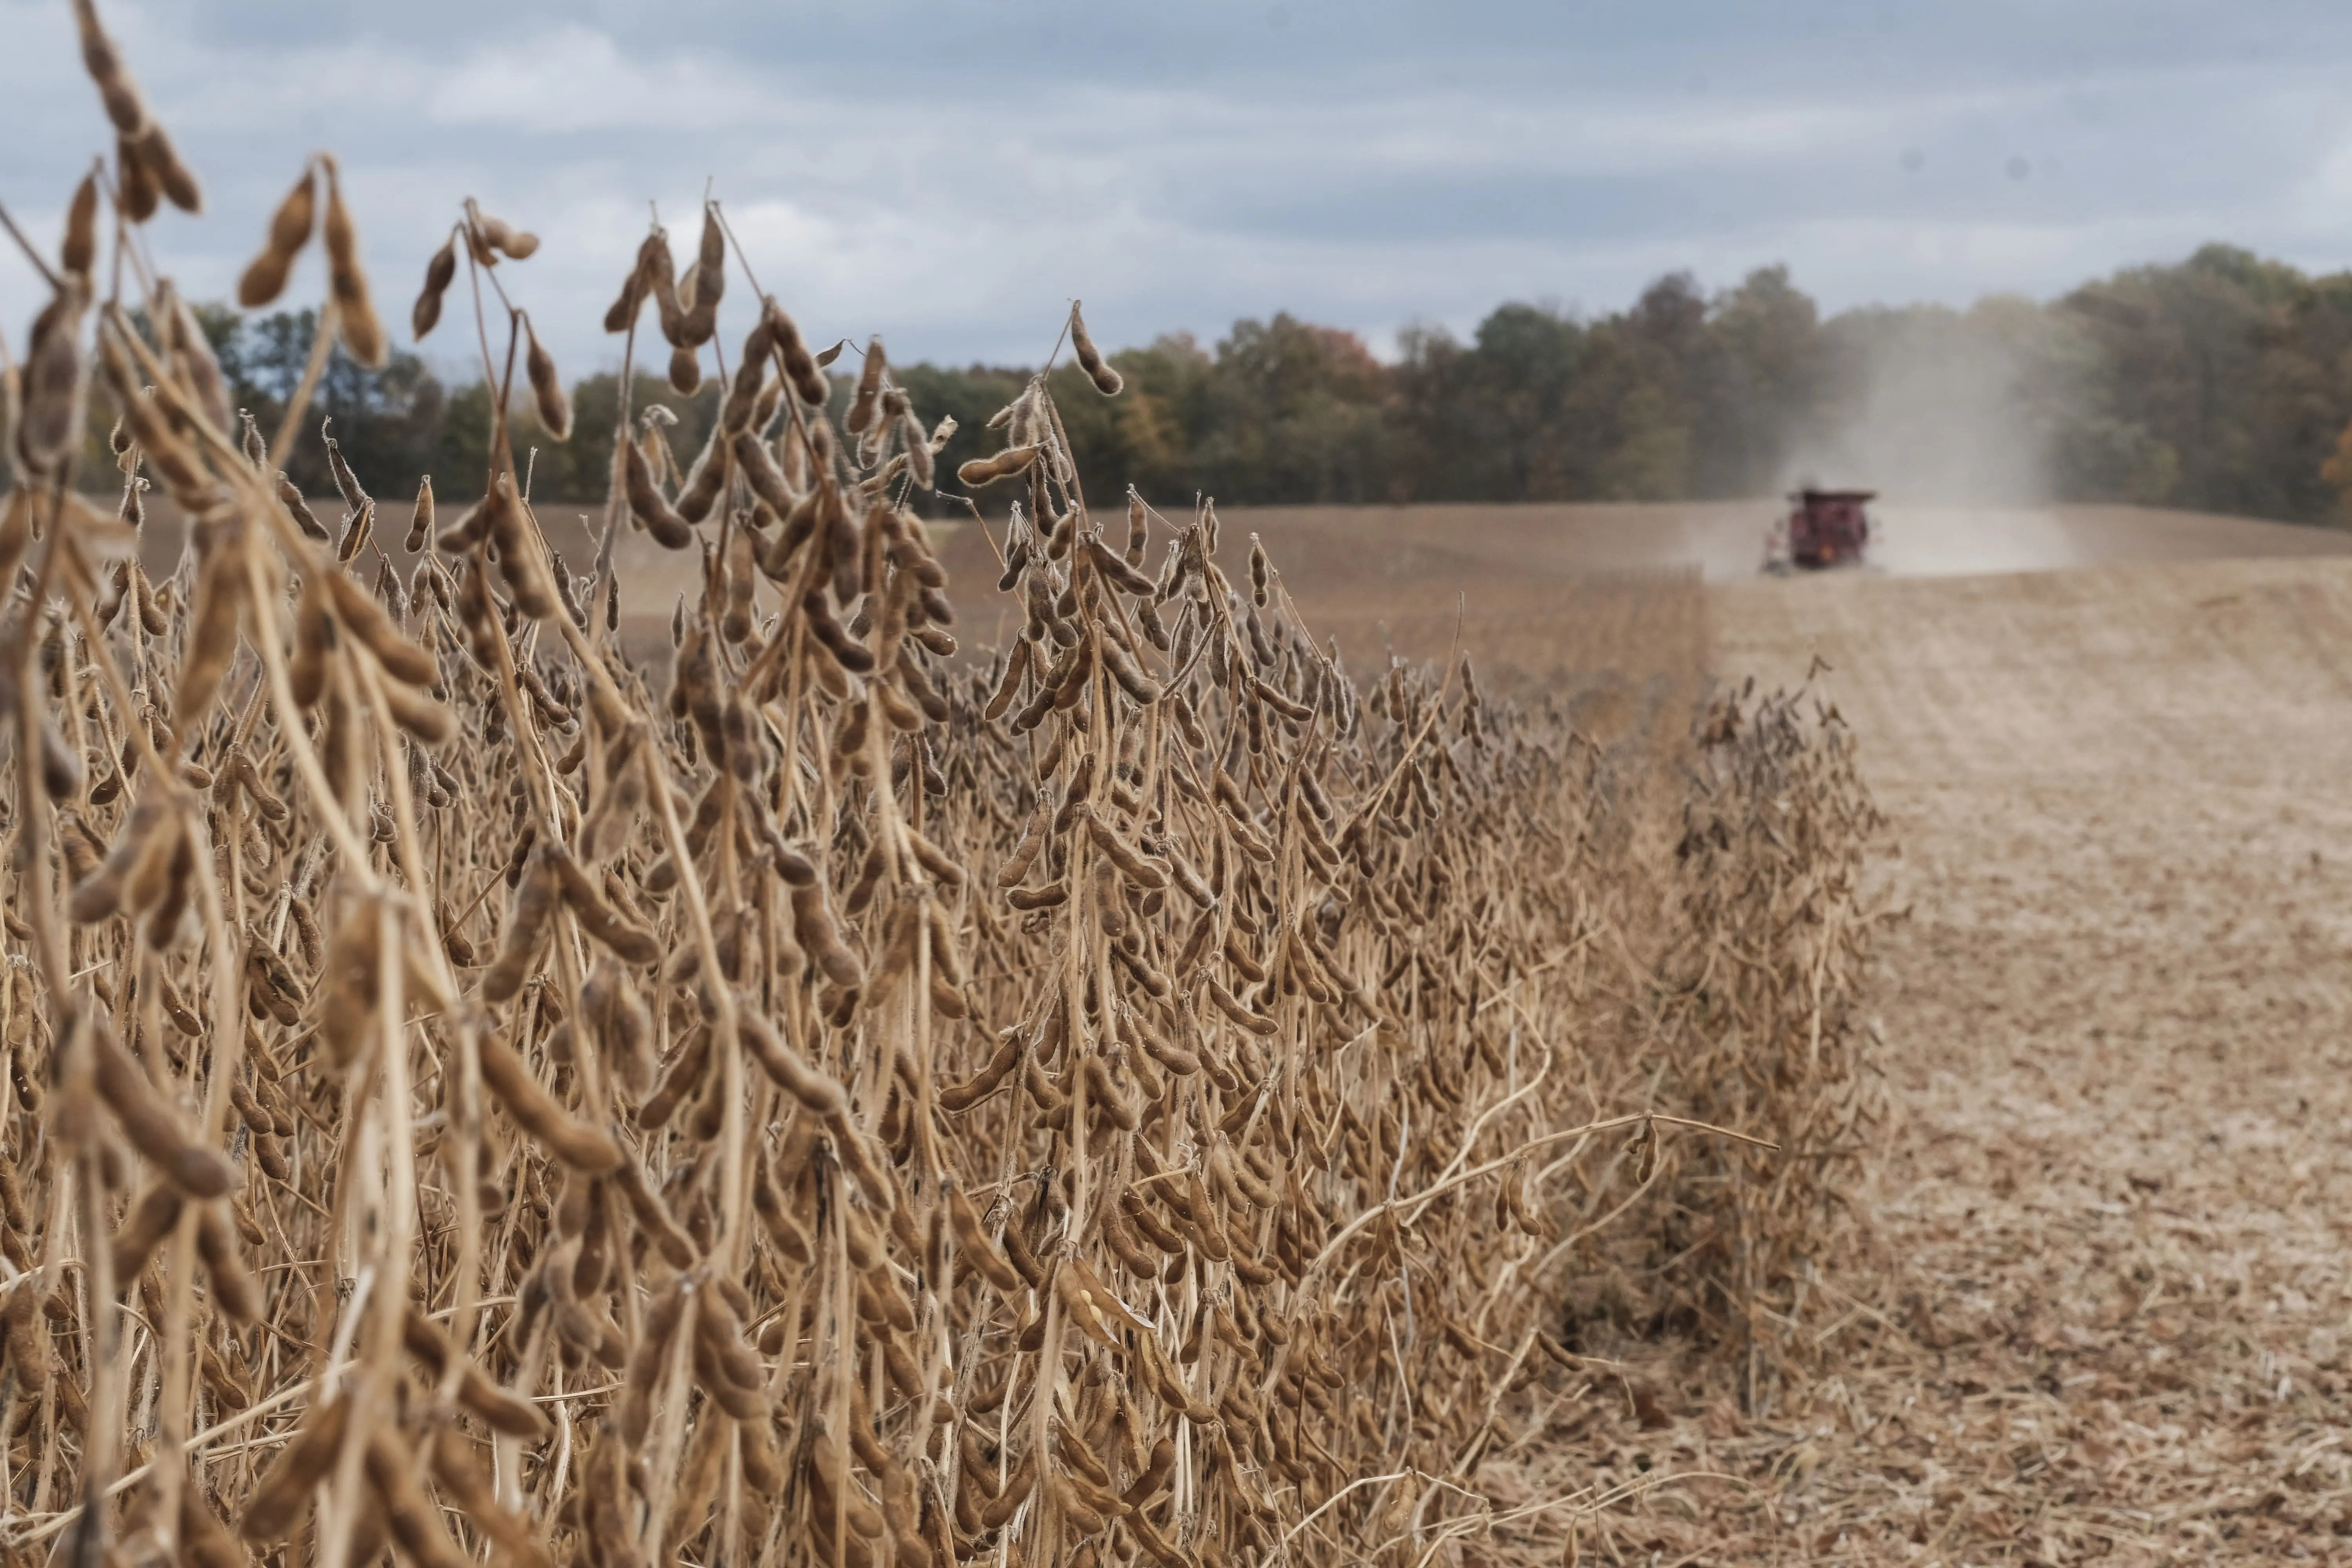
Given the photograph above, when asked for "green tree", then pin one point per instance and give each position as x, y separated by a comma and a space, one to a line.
387, 422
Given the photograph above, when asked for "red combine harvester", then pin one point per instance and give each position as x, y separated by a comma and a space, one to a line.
1824, 529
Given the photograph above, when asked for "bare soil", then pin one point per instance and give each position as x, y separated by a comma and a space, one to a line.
2110, 1311
2101, 1311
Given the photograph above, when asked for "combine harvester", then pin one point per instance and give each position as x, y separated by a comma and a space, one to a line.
1824, 529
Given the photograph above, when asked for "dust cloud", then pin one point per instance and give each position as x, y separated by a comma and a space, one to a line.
1940, 413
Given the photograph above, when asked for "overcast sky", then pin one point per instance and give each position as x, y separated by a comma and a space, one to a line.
950, 173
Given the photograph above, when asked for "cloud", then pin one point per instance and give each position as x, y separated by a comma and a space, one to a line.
951, 174
575, 80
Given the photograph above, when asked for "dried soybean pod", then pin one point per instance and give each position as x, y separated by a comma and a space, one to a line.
633, 1411
869, 399
1131, 862
458, 1469
660, 273
415, 1522
50, 382
527, 926
972, 1243
420, 521
151, 1122
139, 187
1138, 530
848, 541
149, 1221
800, 365
438, 274
1114, 569
812, 923
646, 504
520, 244
709, 280
522, 560
546, 387
585, 1149
1008, 685
419, 714
791, 1237
78, 253
832, 1489
284, 1491
162, 159
821, 1094
1025, 852
27, 1340
767, 480
1002, 465
719, 1330
1017, 1488
684, 1075
857, 1160
735, 626
1140, 688
654, 1218
992, 1077
501, 1409
652, 267
153, 620
314, 643
205, 1541
83, 853
351, 982
708, 481
124, 105
235, 1291
497, 235
1231, 1007
291, 498
624, 1030
138, 855
1106, 381
597, 917
355, 316
62, 775
290, 231
403, 659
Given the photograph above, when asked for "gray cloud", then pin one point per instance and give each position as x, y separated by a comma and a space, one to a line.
951, 172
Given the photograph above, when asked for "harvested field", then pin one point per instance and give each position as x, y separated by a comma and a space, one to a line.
2104, 1319
1389, 554
1554, 591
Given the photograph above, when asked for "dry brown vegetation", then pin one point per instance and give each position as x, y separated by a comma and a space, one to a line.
1143, 1096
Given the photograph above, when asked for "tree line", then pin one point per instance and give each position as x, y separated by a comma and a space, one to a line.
2222, 382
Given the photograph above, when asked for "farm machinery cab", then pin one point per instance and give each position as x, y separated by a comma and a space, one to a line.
1824, 529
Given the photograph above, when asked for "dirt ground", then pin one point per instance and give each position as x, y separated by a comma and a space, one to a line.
2109, 1316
